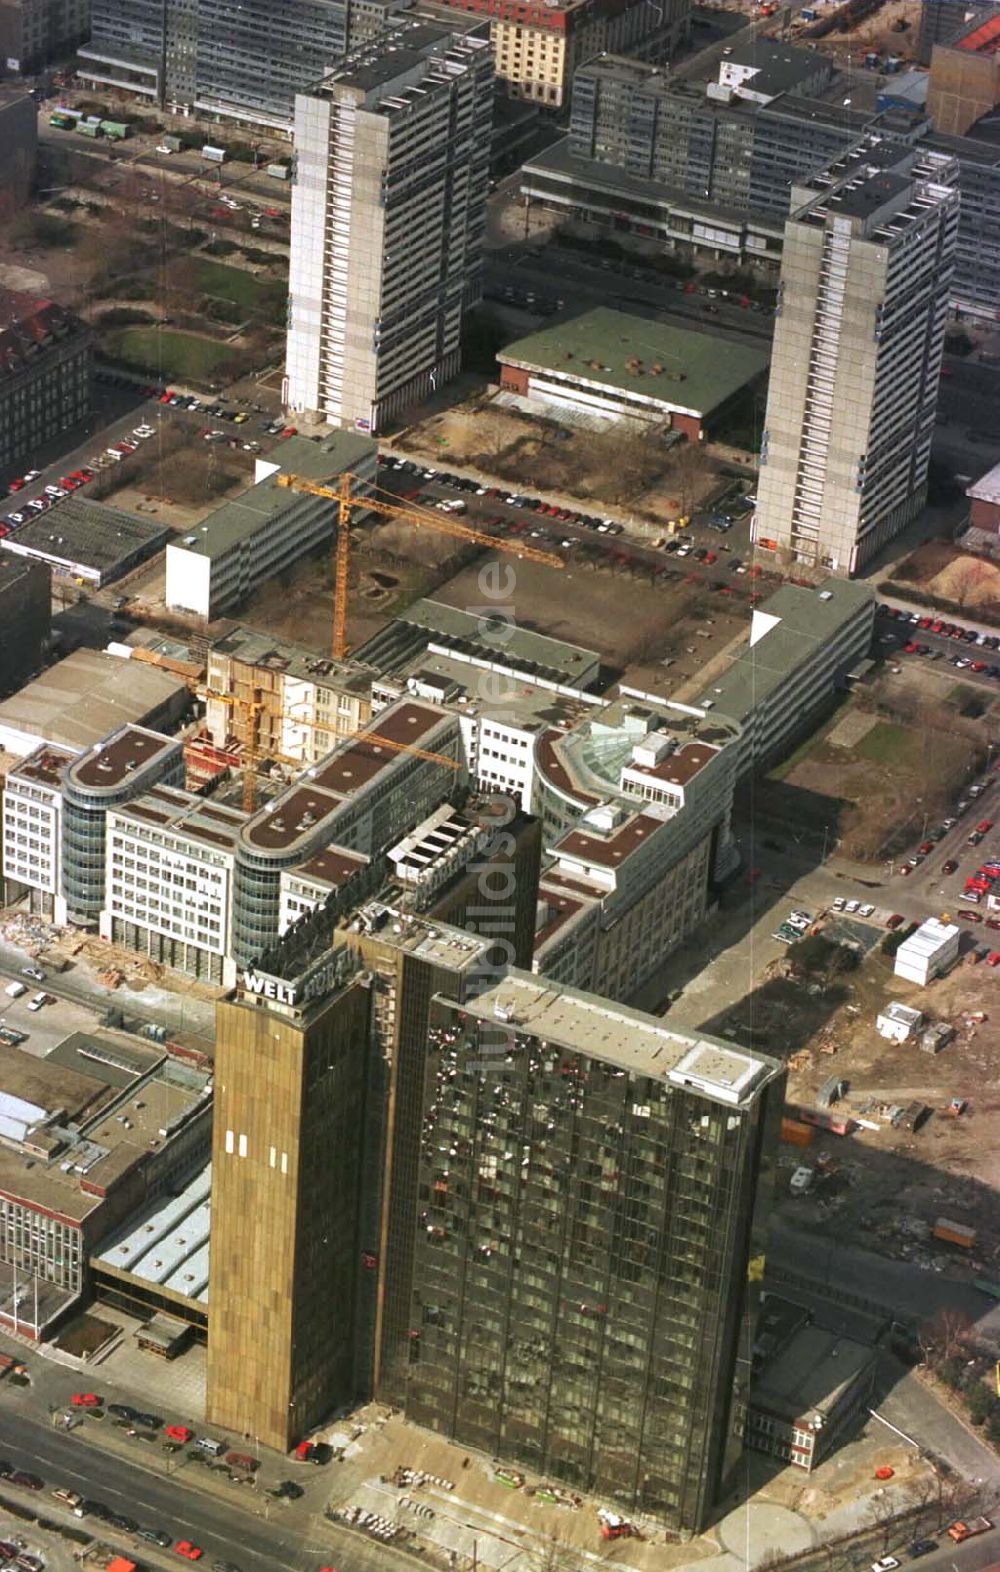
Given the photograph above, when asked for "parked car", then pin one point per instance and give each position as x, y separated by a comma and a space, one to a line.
190, 1552
85, 1400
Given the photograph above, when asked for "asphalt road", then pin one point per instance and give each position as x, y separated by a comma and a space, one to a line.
190, 1023
220, 1529
558, 272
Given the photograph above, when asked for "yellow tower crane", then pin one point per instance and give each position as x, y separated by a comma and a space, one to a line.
252, 708
343, 494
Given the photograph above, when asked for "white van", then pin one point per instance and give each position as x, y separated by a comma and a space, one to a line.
14, 990
211, 1446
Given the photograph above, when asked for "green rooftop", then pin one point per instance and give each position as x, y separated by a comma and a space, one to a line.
783, 634
693, 372
242, 517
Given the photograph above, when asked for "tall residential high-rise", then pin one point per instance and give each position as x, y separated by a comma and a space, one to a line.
865, 277
388, 213
593, 1192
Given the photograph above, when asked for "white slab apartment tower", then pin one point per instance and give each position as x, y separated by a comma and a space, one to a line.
388, 210
862, 307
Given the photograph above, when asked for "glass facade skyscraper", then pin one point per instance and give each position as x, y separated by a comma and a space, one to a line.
592, 1195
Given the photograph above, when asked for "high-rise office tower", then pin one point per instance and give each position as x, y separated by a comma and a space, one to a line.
593, 1191
392, 156
866, 268
319, 1076
287, 1164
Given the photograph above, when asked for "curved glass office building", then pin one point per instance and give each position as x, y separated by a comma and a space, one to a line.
123, 766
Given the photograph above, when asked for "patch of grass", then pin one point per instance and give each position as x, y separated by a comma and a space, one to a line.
176, 357
230, 283
887, 743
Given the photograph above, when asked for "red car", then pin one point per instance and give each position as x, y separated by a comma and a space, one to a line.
949, 866
85, 1400
190, 1552
925, 848
179, 1433
895, 921
303, 1452
993, 922
984, 825
167, 395
290, 431
971, 916
17, 485
70, 483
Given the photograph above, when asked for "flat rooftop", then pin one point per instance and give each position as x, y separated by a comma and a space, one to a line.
810, 1373
131, 751
612, 849
78, 701
332, 867
559, 163
90, 534
253, 647
101, 1106
785, 632
628, 1039
44, 767
297, 816
778, 68
187, 816
515, 695
686, 370
534, 653
431, 940
244, 517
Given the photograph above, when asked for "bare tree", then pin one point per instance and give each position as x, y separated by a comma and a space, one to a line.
945, 1336
628, 459
968, 575
689, 467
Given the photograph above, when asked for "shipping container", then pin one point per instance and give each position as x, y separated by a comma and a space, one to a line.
215, 155
796, 1133
955, 1233
836, 1124
173, 142
89, 128
278, 171
116, 130
62, 122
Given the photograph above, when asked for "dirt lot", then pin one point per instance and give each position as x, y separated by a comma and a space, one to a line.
872, 778
299, 604
658, 635
890, 1185
876, 32
941, 569
621, 466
